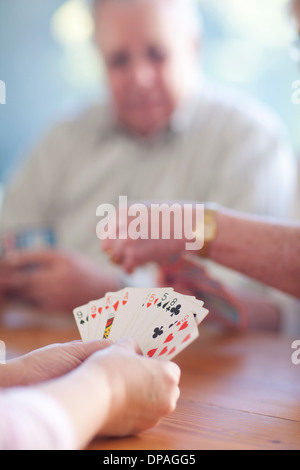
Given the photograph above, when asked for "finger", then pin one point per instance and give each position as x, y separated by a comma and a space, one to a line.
165, 277
118, 251
96, 345
4, 265
105, 244
33, 288
84, 350
129, 344
23, 258
116, 260
173, 370
128, 265
114, 257
31, 280
174, 399
7, 279
133, 258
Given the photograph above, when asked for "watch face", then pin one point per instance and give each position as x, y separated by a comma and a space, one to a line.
210, 226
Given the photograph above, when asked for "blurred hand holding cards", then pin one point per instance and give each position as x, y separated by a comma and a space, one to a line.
37, 238
162, 321
14, 243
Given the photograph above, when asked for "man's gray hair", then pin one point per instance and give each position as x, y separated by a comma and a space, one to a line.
187, 11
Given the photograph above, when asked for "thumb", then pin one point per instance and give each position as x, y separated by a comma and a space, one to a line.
129, 344
89, 348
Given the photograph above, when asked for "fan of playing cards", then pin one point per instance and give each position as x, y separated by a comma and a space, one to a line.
161, 321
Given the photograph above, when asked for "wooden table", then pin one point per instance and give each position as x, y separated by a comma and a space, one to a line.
238, 391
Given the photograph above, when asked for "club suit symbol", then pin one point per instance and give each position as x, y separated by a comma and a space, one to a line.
175, 310
157, 332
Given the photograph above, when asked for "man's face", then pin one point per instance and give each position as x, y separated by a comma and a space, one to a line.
149, 61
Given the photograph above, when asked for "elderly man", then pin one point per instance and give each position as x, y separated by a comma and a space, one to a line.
164, 134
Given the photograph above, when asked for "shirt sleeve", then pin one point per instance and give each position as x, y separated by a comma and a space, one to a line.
260, 171
253, 166
32, 420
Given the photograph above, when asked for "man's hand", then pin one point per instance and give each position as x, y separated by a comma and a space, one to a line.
7, 277
129, 252
53, 279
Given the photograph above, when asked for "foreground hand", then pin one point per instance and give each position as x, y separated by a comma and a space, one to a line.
142, 391
116, 392
58, 280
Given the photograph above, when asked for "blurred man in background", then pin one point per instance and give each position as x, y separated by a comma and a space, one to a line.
164, 134
265, 249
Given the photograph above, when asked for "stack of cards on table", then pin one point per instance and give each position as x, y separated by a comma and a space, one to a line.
161, 321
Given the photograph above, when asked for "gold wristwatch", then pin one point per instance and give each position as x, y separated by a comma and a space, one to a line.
210, 228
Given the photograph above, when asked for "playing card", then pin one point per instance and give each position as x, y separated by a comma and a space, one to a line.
81, 318
96, 318
147, 311
130, 301
175, 338
111, 305
200, 312
168, 314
